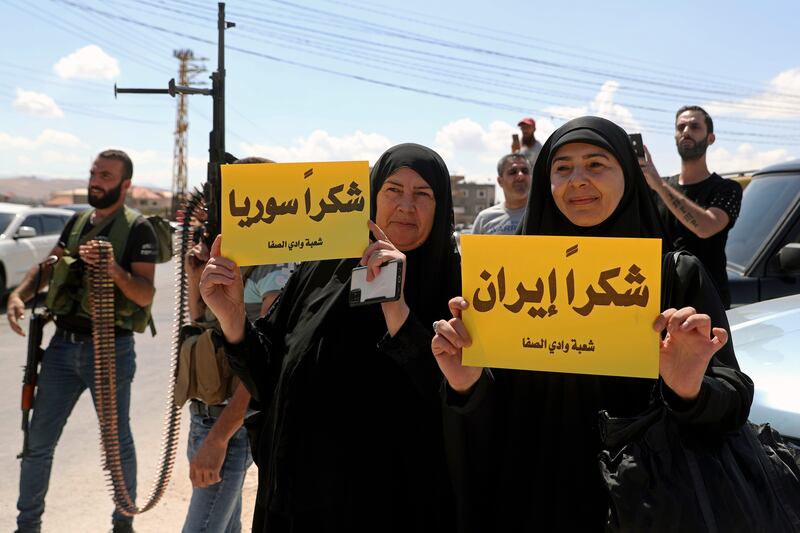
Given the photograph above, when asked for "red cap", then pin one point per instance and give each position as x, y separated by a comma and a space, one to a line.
527, 120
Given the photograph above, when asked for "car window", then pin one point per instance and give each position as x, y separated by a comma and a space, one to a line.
53, 224
764, 202
34, 221
5, 220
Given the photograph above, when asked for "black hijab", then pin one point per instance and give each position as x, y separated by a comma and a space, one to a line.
432, 269
635, 216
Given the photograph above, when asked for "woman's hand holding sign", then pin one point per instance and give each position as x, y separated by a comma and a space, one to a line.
451, 336
223, 291
687, 349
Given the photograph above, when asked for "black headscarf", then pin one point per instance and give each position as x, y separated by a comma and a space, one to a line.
432, 269
635, 216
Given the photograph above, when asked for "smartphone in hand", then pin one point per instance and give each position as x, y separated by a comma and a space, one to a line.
385, 287
638, 146
515, 145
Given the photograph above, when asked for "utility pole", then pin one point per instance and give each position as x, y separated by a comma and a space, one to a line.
216, 137
187, 71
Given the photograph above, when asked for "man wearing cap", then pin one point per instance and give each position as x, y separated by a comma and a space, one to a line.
530, 146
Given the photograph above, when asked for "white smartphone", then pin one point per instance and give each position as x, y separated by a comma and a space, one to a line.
384, 288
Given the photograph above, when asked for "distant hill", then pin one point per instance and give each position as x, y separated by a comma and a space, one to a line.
36, 190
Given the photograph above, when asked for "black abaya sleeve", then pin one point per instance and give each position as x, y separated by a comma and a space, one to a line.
257, 359
468, 422
410, 348
726, 392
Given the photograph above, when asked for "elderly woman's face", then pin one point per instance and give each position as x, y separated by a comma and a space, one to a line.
405, 209
587, 183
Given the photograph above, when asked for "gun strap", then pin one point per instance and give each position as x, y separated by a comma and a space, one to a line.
92, 233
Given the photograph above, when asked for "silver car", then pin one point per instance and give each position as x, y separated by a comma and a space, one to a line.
27, 234
767, 340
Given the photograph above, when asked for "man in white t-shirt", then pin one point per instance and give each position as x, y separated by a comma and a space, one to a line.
514, 177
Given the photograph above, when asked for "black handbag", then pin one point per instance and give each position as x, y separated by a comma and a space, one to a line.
665, 477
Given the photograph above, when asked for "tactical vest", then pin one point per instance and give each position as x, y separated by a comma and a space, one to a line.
69, 286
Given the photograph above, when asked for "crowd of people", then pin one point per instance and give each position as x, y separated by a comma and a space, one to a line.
364, 418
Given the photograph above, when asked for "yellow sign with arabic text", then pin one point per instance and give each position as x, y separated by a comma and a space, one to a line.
579, 305
291, 212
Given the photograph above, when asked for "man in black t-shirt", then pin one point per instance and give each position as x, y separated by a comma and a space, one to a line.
68, 362
698, 207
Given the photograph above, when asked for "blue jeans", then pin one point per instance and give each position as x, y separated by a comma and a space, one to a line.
67, 370
218, 508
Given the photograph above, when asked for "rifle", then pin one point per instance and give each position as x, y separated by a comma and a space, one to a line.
216, 138
34, 356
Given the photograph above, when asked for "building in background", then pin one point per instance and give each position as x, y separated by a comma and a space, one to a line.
148, 201
469, 199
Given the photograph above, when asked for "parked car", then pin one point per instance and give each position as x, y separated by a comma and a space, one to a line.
77, 208
27, 234
763, 247
766, 336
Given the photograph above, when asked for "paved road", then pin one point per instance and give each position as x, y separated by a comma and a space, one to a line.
78, 500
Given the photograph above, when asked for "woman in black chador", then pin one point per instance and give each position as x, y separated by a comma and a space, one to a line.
523, 446
352, 437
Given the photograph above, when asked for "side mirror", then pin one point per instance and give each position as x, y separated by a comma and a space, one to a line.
788, 258
25, 232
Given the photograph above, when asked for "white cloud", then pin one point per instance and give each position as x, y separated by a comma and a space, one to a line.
602, 105
51, 148
48, 138
745, 157
150, 167
322, 146
57, 157
472, 150
87, 63
781, 100
37, 104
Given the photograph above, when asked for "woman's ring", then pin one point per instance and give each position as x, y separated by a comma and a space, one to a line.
435, 325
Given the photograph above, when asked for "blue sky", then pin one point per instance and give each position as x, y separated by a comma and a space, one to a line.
344, 79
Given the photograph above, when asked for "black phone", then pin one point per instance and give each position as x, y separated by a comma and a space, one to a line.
638, 146
384, 288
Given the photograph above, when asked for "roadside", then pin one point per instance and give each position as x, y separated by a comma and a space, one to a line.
78, 499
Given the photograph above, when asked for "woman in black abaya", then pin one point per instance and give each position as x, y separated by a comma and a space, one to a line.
352, 437
523, 445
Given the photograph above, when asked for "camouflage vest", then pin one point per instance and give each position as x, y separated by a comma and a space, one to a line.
69, 285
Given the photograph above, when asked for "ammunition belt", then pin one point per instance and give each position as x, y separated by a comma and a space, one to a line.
101, 298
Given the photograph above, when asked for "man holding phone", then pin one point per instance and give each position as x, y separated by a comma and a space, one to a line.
698, 207
529, 146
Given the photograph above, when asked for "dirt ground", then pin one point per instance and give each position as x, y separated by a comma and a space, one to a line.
78, 500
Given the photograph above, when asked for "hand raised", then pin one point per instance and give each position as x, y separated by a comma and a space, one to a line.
451, 336
375, 256
223, 292
195, 260
687, 349
649, 169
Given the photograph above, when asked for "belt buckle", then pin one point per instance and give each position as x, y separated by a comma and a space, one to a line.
70, 337
200, 408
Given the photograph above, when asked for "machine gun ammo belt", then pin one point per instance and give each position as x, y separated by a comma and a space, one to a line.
101, 298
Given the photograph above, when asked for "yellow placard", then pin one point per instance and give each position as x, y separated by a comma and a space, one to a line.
290, 212
579, 305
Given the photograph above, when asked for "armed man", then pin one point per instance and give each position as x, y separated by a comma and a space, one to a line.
68, 363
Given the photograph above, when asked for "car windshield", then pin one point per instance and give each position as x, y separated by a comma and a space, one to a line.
5, 220
764, 202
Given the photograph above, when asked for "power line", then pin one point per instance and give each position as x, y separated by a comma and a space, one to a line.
401, 86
